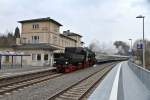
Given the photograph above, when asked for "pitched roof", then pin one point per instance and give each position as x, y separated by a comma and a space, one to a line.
74, 34
12, 53
40, 20
68, 33
67, 37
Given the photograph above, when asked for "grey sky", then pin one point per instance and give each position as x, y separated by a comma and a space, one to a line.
102, 20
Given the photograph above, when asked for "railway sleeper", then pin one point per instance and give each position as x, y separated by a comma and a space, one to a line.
68, 97
77, 91
69, 92
71, 95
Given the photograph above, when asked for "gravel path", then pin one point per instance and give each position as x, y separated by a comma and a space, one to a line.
42, 91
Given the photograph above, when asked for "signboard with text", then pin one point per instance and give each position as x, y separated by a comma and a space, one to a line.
140, 46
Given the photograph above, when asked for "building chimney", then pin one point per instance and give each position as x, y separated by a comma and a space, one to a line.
68, 31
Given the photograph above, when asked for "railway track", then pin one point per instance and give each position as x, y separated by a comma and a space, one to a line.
20, 84
78, 90
7, 88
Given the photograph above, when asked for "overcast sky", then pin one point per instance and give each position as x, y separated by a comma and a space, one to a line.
102, 20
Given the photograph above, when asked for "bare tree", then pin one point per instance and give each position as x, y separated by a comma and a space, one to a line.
7, 40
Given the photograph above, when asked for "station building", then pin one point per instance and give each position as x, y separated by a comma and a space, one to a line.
41, 38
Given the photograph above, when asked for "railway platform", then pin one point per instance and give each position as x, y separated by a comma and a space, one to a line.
125, 82
4, 73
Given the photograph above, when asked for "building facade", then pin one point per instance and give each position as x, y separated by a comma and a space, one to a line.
41, 38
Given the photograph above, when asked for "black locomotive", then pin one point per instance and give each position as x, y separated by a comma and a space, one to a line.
74, 58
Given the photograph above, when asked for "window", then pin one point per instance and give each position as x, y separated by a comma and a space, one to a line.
32, 26
24, 40
46, 57
35, 39
33, 56
7, 59
54, 40
35, 26
38, 56
56, 29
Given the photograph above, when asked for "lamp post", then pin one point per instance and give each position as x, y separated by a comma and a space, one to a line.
130, 50
140, 16
130, 43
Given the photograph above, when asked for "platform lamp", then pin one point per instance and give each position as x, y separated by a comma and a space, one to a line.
140, 16
130, 47
130, 43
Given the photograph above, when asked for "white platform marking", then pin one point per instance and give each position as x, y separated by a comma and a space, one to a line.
114, 91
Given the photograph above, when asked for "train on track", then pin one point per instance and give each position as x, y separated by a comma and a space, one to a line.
74, 58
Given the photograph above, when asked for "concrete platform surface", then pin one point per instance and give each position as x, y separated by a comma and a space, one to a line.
23, 70
121, 84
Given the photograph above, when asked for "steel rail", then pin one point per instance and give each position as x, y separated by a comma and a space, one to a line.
25, 83
60, 93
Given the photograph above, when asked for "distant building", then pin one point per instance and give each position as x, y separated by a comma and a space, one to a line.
41, 38
74, 36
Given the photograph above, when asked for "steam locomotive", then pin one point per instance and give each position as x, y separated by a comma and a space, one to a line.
74, 58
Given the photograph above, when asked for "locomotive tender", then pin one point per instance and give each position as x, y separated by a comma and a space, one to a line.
74, 58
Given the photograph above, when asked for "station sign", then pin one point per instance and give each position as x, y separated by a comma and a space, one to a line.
140, 46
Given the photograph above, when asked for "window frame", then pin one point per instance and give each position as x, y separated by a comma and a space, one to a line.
38, 56
7, 58
35, 39
35, 57
46, 57
35, 26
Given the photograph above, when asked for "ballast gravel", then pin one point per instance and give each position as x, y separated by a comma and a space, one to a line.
44, 90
